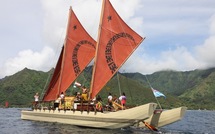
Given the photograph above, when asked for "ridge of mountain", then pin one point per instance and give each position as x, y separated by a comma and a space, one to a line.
195, 89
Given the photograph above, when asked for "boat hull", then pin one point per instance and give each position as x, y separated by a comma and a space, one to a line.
108, 120
159, 119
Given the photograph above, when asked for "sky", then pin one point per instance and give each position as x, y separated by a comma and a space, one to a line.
180, 34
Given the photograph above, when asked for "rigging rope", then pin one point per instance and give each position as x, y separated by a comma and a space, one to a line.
87, 70
128, 86
120, 91
153, 93
48, 79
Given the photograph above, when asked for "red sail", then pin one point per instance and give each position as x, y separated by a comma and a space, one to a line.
116, 43
78, 51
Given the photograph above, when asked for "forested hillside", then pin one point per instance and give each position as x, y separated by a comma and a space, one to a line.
194, 89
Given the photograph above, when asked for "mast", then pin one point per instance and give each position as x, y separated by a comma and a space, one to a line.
97, 46
64, 52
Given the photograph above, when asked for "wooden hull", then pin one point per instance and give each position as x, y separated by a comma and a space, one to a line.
109, 120
159, 119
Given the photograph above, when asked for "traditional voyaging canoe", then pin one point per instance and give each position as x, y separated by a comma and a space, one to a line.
116, 42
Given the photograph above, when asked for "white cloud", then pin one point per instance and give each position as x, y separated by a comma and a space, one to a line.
177, 59
180, 58
55, 15
181, 19
43, 60
206, 52
88, 12
186, 18
54, 22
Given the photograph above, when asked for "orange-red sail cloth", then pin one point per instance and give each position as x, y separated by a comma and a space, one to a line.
78, 51
116, 43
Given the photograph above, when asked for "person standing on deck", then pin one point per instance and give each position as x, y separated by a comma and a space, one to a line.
122, 98
36, 100
110, 97
78, 96
98, 105
84, 93
62, 96
115, 101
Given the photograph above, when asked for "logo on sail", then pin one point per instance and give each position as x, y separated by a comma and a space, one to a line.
108, 55
75, 63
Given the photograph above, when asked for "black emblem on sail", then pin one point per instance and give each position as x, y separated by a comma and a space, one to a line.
75, 63
108, 55
74, 27
109, 18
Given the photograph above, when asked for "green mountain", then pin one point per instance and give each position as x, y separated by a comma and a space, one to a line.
20, 88
195, 89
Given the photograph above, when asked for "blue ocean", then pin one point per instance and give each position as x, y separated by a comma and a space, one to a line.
194, 122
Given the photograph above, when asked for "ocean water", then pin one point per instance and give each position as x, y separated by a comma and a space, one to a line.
194, 122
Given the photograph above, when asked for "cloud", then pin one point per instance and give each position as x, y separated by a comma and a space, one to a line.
185, 18
206, 52
88, 12
163, 22
179, 58
43, 60
54, 22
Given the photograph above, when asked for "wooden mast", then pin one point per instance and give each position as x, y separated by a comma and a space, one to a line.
97, 46
64, 52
